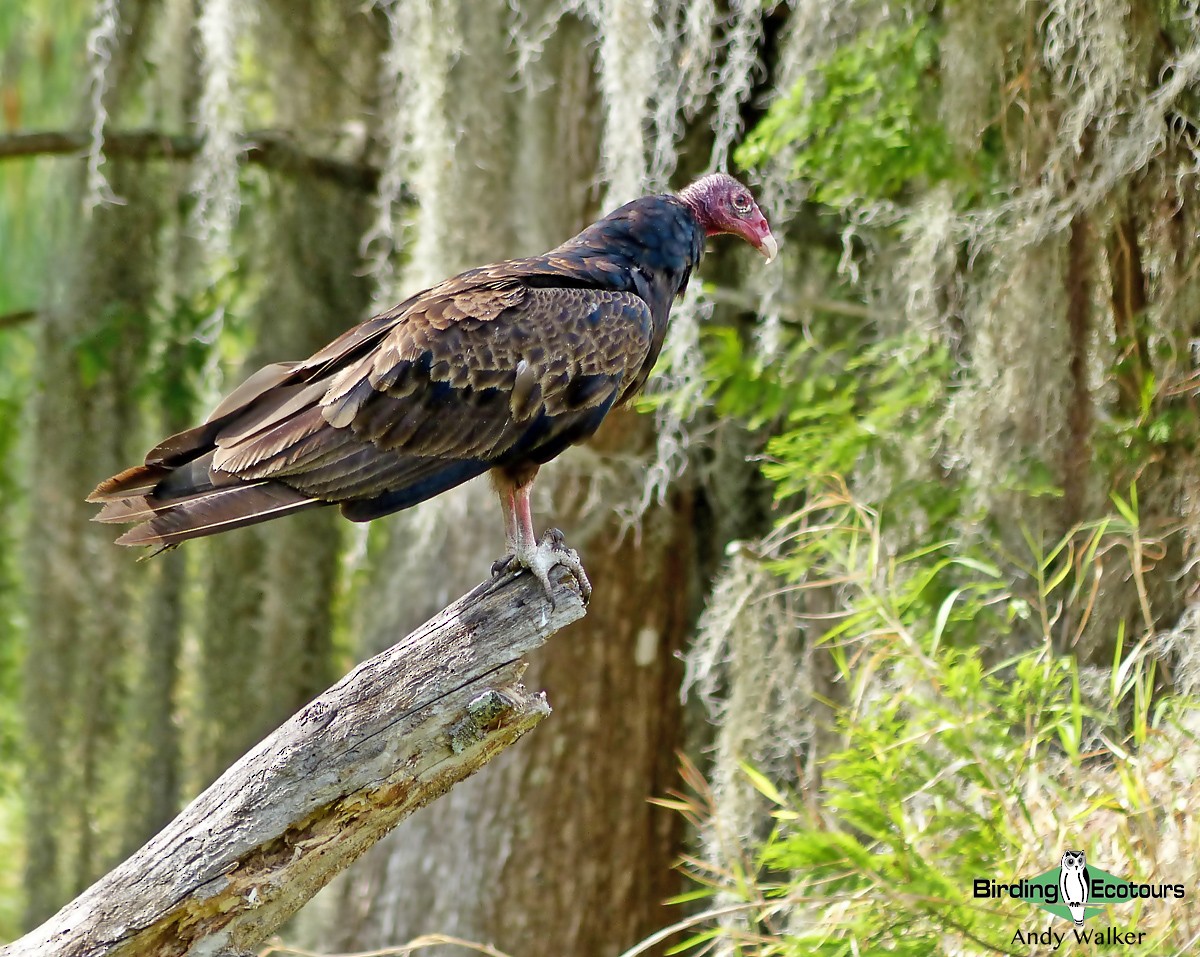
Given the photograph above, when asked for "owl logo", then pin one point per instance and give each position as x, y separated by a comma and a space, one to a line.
1073, 884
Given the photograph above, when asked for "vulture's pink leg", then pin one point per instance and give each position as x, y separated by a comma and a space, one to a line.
521, 539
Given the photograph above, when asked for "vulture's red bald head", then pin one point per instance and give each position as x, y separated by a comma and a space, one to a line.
723, 205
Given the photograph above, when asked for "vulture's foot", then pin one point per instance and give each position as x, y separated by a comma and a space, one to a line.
542, 558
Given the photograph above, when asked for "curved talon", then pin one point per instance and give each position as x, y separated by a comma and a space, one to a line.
540, 559
502, 566
554, 541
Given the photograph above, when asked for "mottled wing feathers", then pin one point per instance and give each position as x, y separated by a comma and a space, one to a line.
476, 376
476, 372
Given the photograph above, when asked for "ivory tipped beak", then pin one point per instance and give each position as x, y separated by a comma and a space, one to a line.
768, 247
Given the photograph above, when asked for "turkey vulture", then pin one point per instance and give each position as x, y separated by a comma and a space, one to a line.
497, 369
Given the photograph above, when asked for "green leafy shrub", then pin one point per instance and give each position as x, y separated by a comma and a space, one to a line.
870, 130
953, 767
830, 407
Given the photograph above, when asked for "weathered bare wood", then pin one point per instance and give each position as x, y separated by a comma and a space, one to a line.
394, 734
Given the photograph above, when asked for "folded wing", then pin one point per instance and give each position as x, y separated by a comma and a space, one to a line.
481, 371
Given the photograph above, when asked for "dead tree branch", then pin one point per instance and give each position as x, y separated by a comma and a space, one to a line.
270, 149
396, 733
11, 320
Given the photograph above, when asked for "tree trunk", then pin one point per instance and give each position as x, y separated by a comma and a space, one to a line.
268, 637
153, 740
85, 412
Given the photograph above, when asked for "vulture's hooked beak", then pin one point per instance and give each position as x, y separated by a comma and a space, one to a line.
768, 246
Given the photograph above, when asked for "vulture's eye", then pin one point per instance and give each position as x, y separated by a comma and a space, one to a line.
741, 202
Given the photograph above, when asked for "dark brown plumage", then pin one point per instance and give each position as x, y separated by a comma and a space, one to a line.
498, 369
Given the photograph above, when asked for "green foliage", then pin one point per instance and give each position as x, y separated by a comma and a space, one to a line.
1156, 420
833, 406
191, 335
869, 129
953, 767
971, 742
858, 399
197, 332
970, 745
107, 339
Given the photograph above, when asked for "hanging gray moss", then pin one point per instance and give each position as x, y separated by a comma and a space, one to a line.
220, 120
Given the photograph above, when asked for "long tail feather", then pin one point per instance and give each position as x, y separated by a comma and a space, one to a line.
210, 512
139, 480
